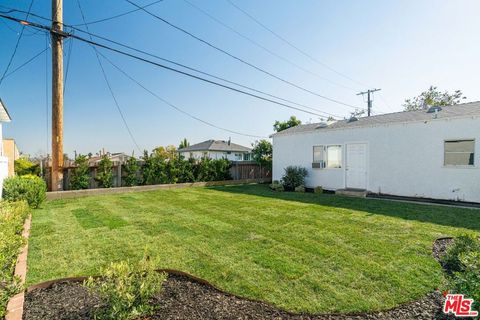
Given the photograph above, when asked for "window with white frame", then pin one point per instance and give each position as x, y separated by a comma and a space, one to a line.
459, 152
334, 156
329, 156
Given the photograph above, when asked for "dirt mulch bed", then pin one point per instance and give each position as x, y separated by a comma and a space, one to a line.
183, 297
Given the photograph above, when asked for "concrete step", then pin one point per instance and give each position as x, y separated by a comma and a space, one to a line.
352, 192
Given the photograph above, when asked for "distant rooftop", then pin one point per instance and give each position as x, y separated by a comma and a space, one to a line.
447, 112
215, 145
4, 116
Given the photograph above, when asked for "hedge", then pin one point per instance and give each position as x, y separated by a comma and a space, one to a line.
12, 217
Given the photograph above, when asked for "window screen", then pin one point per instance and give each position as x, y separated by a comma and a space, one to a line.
318, 154
459, 153
334, 156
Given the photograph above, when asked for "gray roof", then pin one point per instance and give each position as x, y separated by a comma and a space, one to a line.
4, 116
457, 111
215, 145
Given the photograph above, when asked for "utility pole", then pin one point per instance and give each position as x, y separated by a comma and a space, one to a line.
369, 100
57, 95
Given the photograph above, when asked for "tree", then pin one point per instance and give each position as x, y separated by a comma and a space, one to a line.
131, 168
283, 125
168, 152
433, 97
80, 175
184, 144
262, 153
105, 172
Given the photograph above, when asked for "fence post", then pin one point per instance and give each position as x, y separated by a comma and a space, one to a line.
119, 174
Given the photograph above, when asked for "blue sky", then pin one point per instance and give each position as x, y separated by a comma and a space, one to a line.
400, 46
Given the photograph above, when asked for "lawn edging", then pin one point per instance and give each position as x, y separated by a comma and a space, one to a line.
53, 195
15, 304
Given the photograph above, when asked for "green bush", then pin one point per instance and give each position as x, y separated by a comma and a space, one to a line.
462, 245
29, 188
126, 290
24, 166
462, 262
81, 174
105, 172
12, 216
293, 177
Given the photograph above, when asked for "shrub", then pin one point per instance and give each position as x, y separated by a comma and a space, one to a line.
462, 245
126, 290
300, 189
462, 262
24, 166
293, 177
81, 174
131, 167
105, 172
29, 188
467, 282
318, 189
12, 216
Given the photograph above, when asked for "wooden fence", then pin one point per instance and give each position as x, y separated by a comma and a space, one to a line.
240, 170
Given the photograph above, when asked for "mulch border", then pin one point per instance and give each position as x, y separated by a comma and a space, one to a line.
15, 304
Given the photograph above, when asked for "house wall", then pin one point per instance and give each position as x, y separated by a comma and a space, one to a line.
10, 151
3, 163
403, 159
214, 155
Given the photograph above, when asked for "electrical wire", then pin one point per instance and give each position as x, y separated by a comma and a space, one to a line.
46, 88
255, 43
110, 87
36, 25
240, 59
69, 57
16, 45
25, 63
186, 67
176, 107
115, 16
290, 44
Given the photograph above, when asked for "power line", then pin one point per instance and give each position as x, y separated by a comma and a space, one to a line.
16, 46
65, 34
70, 48
190, 68
46, 88
240, 59
263, 47
25, 63
292, 45
110, 87
115, 16
174, 106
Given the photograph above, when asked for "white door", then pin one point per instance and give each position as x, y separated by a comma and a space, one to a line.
356, 166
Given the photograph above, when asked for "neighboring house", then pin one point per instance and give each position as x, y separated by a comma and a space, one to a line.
430, 154
4, 117
217, 149
10, 150
118, 157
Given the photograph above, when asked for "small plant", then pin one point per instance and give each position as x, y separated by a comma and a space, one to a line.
28, 187
80, 176
318, 189
131, 167
464, 244
105, 172
24, 166
467, 282
276, 186
126, 290
293, 177
300, 189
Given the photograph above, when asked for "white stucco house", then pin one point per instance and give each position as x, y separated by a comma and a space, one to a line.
427, 154
217, 149
4, 117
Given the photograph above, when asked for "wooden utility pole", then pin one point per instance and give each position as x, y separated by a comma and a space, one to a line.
57, 96
369, 98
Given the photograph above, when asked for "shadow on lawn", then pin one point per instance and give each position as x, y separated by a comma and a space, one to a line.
441, 215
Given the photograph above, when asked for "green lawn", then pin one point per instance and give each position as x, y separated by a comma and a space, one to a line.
302, 252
